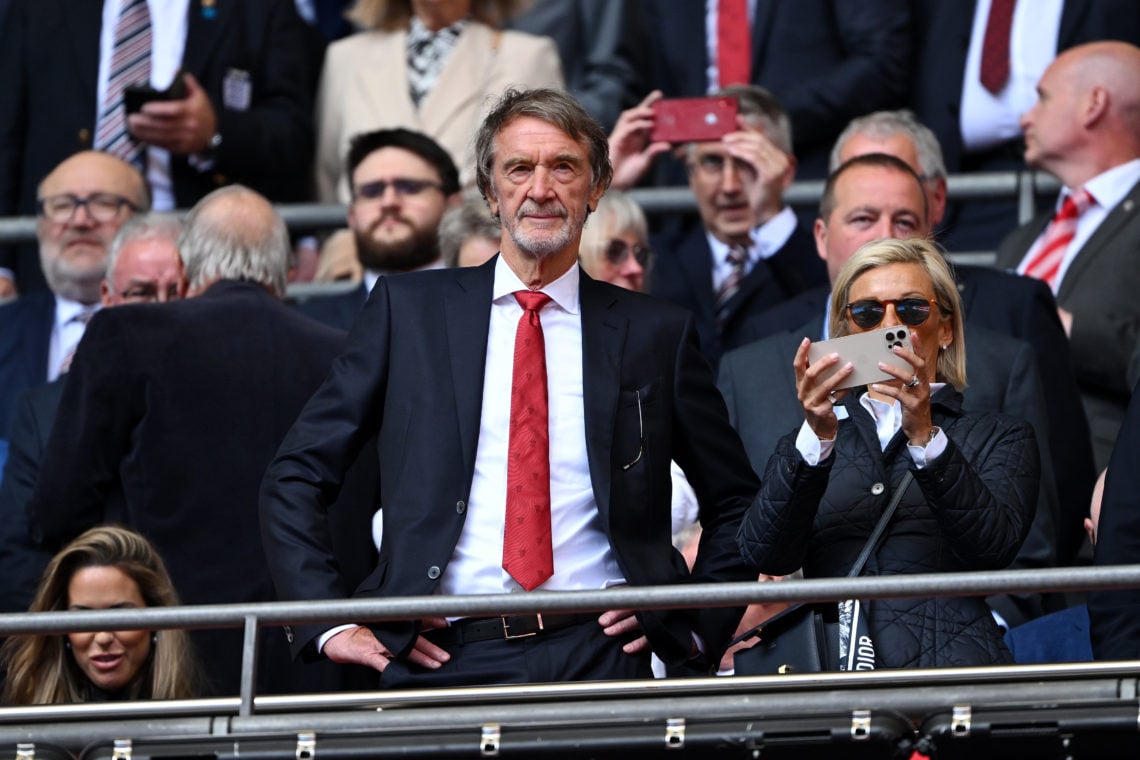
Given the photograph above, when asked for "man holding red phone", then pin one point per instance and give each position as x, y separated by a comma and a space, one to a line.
749, 252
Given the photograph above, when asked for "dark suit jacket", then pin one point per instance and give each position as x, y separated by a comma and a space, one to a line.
25, 339
21, 561
759, 388
170, 415
1114, 616
339, 310
49, 61
412, 375
942, 39
1022, 308
827, 61
1100, 290
682, 274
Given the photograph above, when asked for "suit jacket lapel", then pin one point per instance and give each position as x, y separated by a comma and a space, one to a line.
1101, 240
204, 29
696, 259
761, 25
464, 76
603, 335
467, 314
386, 61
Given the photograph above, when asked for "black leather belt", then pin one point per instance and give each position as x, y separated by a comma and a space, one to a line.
505, 627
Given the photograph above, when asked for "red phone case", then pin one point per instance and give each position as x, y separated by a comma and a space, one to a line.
680, 120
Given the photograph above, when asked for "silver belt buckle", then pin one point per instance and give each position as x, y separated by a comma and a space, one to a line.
507, 629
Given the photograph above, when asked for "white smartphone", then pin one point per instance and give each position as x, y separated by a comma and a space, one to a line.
865, 351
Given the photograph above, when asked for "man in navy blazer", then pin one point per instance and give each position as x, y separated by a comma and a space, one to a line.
428, 369
402, 182
90, 196
248, 116
739, 183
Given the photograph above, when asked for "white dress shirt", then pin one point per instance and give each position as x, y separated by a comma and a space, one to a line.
1108, 189
168, 41
66, 331
583, 558
987, 119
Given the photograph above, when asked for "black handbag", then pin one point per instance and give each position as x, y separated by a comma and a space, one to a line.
804, 638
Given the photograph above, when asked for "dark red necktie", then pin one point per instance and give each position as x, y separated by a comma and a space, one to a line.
995, 46
528, 553
733, 42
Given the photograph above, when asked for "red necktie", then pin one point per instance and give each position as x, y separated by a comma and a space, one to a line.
528, 553
995, 46
733, 42
1046, 262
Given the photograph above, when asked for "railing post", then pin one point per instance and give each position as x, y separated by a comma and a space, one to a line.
248, 666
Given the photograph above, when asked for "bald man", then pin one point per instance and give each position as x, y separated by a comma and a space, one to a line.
1085, 130
82, 203
171, 413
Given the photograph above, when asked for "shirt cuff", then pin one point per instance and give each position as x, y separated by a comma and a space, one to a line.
324, 637
924, 455
811, 447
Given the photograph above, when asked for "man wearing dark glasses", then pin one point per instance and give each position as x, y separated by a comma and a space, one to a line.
402, 181
867, 198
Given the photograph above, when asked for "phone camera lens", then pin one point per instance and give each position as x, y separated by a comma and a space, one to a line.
890, 337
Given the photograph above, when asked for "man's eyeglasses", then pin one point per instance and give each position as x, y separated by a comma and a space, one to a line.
403, 186
912, 311
102, 207
617, 251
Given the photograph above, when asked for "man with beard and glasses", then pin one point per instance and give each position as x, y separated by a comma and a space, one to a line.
402, 182
522, 371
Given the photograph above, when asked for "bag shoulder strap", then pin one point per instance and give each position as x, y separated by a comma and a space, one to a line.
881, 526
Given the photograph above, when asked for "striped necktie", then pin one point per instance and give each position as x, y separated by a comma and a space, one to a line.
130, 64
736, 256
1046, 261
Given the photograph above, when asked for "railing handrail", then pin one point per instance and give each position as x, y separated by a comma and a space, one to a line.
316, 216
977, 583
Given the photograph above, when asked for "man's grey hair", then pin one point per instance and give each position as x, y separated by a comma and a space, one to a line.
760, 108
150, 226
235, 234
882, 125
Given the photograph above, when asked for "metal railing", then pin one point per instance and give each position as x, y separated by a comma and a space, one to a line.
1023, 186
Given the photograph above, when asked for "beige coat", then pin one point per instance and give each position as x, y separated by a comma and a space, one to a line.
364, 86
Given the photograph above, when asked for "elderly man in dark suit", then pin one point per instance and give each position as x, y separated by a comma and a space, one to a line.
868, 198
749, 252
1085, 130
171, 412
518, 454
81, 203
249, 69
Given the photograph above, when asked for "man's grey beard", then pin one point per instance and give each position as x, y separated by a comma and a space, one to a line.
81, 284
417, 251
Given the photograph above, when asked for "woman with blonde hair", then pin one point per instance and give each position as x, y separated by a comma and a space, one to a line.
963, 483
429, 65
104, 568
615, 243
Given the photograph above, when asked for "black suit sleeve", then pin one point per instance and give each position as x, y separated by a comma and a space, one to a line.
1114, 616
90, 436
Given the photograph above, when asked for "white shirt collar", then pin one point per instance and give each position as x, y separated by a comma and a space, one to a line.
1109, 187
563, 291
66, 310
